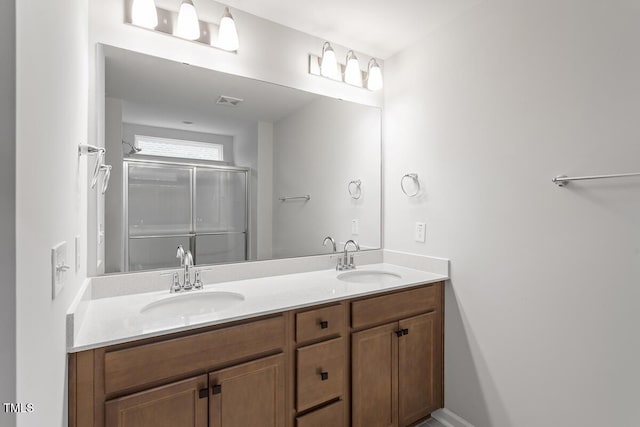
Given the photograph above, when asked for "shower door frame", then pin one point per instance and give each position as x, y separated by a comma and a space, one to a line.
192, 234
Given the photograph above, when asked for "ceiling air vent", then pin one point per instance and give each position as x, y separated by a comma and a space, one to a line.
229, 101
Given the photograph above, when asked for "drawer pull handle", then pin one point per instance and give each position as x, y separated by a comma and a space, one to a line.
202, 393
324, 376
324, 324
217, 389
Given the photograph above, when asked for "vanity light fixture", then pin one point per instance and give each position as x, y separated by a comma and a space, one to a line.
329, 63
227, 34
188, 26
326, 65
144, 14
374, 76
184, 23
352, 72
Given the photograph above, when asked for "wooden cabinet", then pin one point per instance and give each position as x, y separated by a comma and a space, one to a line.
374, 355
183, 403
397, 368
368, 362
251, 394
419, 367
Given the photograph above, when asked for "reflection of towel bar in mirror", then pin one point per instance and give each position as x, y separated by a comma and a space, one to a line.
414, 177
286, 199
355, 189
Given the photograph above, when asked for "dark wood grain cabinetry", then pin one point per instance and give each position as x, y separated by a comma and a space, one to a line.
375, 361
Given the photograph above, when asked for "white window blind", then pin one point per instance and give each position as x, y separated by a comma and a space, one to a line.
165, 147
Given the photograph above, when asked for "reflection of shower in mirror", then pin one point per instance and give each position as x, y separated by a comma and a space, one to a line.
133, 150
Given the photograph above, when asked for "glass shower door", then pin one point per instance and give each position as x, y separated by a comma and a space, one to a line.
159, 214
220, 215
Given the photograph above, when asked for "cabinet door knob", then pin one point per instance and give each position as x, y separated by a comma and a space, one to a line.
405, 332
399, 333
217, 389
324, 324
324, 376
202, 393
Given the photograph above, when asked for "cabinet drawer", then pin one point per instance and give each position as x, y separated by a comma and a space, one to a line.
320, 373
396, 306
319, 323
149, 363
332, 415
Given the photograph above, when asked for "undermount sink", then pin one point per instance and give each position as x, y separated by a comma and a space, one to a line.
369, 276
193, 303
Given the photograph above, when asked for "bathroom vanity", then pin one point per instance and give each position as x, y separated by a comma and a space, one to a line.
373, 359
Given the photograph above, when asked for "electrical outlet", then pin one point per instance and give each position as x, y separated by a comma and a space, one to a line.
420, 235
355, 227
59, 268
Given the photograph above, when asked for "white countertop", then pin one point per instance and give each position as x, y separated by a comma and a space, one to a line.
114, 320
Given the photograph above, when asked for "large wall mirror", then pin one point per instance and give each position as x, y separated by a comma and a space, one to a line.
230, 168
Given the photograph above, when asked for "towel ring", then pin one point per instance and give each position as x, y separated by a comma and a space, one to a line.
414, 177
355, 189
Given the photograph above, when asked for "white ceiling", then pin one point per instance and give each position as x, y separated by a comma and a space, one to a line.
158, 92
380, 28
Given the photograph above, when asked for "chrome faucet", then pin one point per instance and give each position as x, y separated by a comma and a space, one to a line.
333, 243
348, 262
186, 261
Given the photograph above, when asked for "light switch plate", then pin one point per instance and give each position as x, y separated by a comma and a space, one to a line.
59, 268
420, 235
355, 227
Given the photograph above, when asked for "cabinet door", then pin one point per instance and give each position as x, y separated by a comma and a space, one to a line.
251, 394
177, 404
375, 376
419, 367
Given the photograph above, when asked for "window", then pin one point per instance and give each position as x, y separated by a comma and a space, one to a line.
165, 147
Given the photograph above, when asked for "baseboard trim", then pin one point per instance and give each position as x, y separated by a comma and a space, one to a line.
449, 419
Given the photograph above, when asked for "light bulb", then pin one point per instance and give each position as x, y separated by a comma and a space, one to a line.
227, 34
144, 14
352, 72
188, 26
374, 79
329, 63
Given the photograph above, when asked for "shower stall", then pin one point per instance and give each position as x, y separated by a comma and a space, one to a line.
202, 207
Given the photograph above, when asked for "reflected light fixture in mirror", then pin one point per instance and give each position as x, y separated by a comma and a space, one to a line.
352, 72
329, 63
188, 26
374, 76
144, 14
227, 34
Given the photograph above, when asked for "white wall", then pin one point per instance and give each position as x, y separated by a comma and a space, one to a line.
542, 312
7, 208
318, 150
51, 108
245, 151
264, 211
112, 256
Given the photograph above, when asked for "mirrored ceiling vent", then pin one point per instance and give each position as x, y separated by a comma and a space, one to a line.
183, 22
228, 101
326, 65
